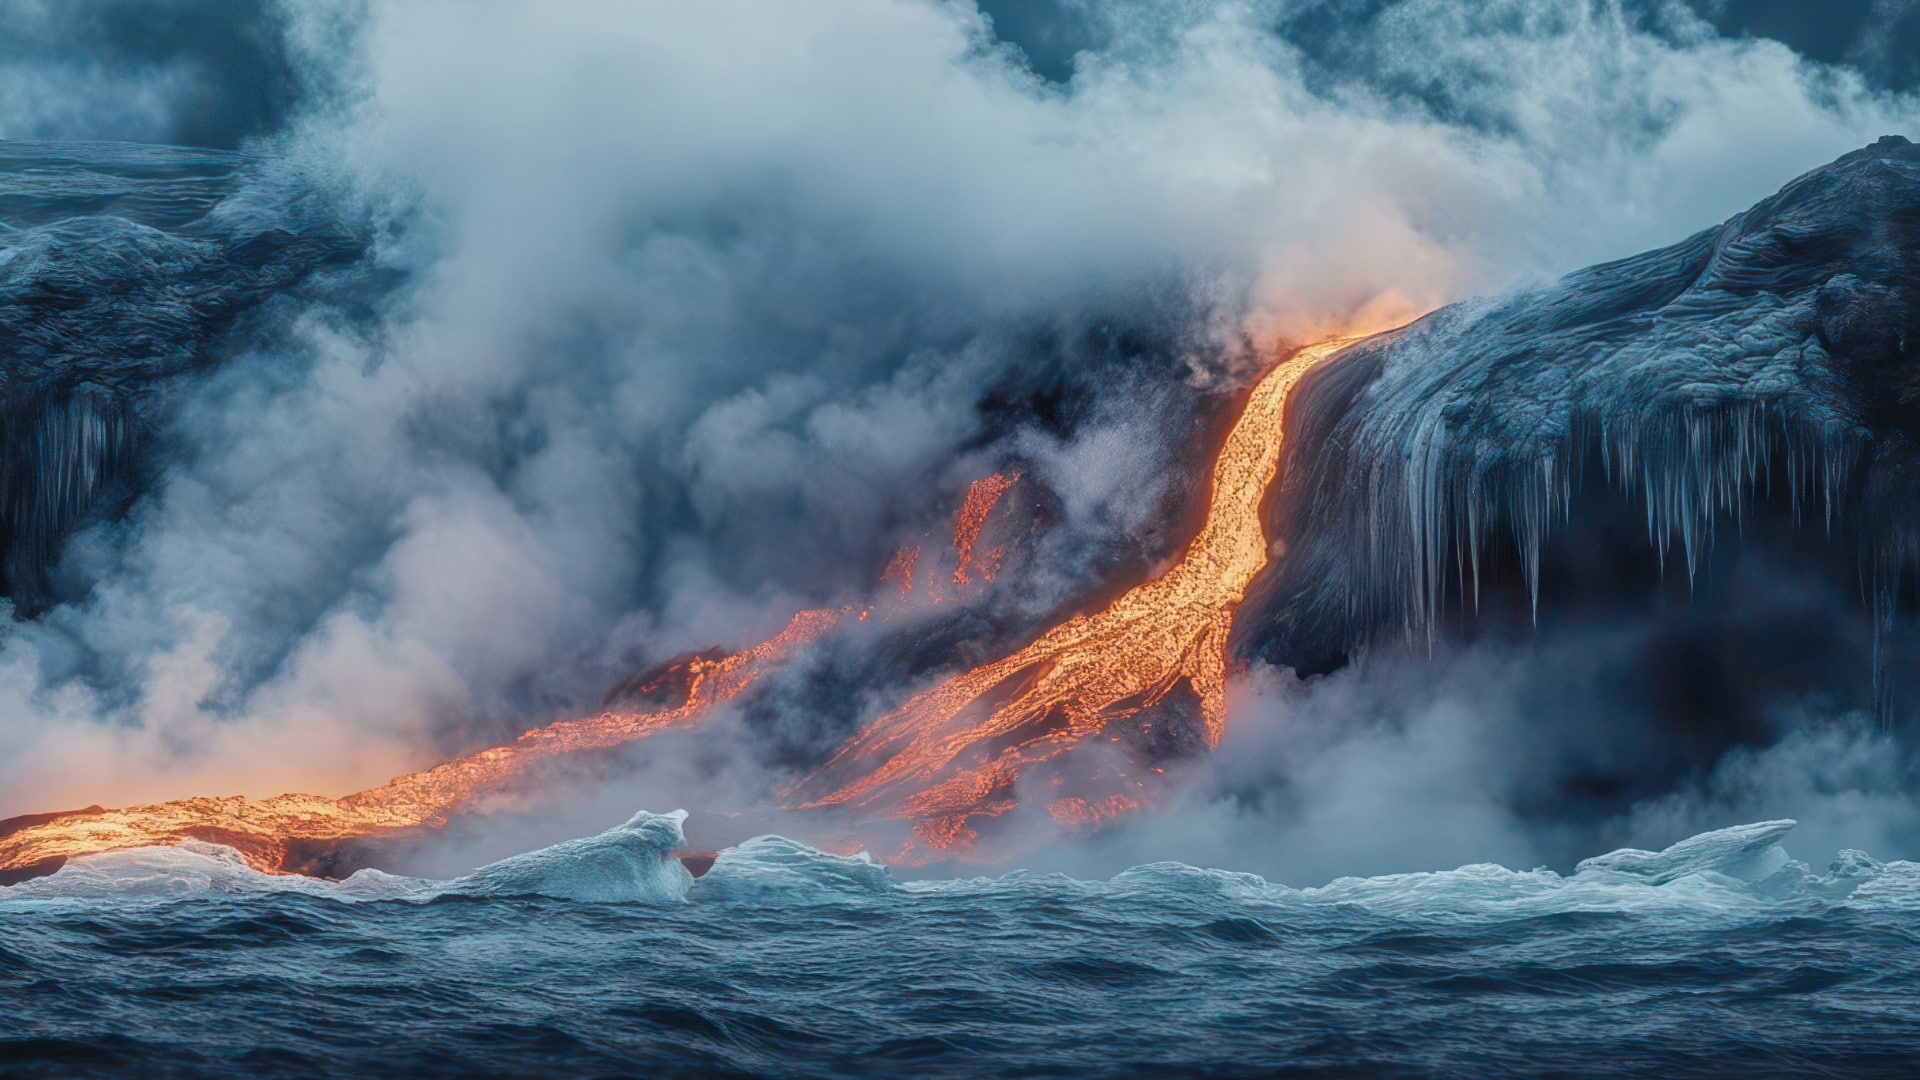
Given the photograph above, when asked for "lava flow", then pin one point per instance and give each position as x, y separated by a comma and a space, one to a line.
981, 498
924, 761
1090, 671
264, 832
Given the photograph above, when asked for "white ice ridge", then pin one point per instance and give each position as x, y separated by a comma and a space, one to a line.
1748, 852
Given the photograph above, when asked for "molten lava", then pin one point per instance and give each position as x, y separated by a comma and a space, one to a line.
900, 569
981, 498
263, 831
936, 761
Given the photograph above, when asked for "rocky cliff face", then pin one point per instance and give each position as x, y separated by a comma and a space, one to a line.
1632, 429
122, 266
1720, 438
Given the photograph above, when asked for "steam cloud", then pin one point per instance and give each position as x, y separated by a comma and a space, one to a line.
703, 310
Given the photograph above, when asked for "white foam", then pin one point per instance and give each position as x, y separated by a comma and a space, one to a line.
774, 869
632, 862
194, 868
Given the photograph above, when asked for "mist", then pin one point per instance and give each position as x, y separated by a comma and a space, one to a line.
1404, 764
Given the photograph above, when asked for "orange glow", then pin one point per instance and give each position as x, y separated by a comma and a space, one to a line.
944, 758
900, 568
1081, 813
937, 761
262, 831
981, 499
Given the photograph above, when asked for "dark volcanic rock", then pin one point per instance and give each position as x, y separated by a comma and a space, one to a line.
1757, 380
121, 266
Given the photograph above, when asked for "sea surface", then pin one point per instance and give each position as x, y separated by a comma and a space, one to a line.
604, 957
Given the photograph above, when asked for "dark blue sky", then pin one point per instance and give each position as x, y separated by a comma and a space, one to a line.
222, 69
1880, 37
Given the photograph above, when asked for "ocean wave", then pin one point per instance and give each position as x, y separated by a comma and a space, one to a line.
192, 868
632, 862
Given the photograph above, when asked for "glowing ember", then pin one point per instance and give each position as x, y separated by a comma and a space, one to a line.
934, 760
262, 831
981, 498
900, 569
1081, 812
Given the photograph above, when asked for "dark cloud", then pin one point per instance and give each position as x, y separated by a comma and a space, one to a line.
1881, 38
1049, 33
207, 73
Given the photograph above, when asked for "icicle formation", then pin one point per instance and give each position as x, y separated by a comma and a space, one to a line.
1772, 345
57, 464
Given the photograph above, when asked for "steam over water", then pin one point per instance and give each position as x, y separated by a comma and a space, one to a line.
509, 375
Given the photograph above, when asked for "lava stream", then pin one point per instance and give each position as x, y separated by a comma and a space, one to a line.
263, 831
981, 498
1090, 670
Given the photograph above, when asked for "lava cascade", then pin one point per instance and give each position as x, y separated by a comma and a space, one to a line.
265, 831
925, 762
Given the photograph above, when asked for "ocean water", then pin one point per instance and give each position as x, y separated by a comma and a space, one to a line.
604, 957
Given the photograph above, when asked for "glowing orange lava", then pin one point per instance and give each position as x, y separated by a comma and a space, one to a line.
1080, 813
900, 569
934, 760
981, 498
263, 831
